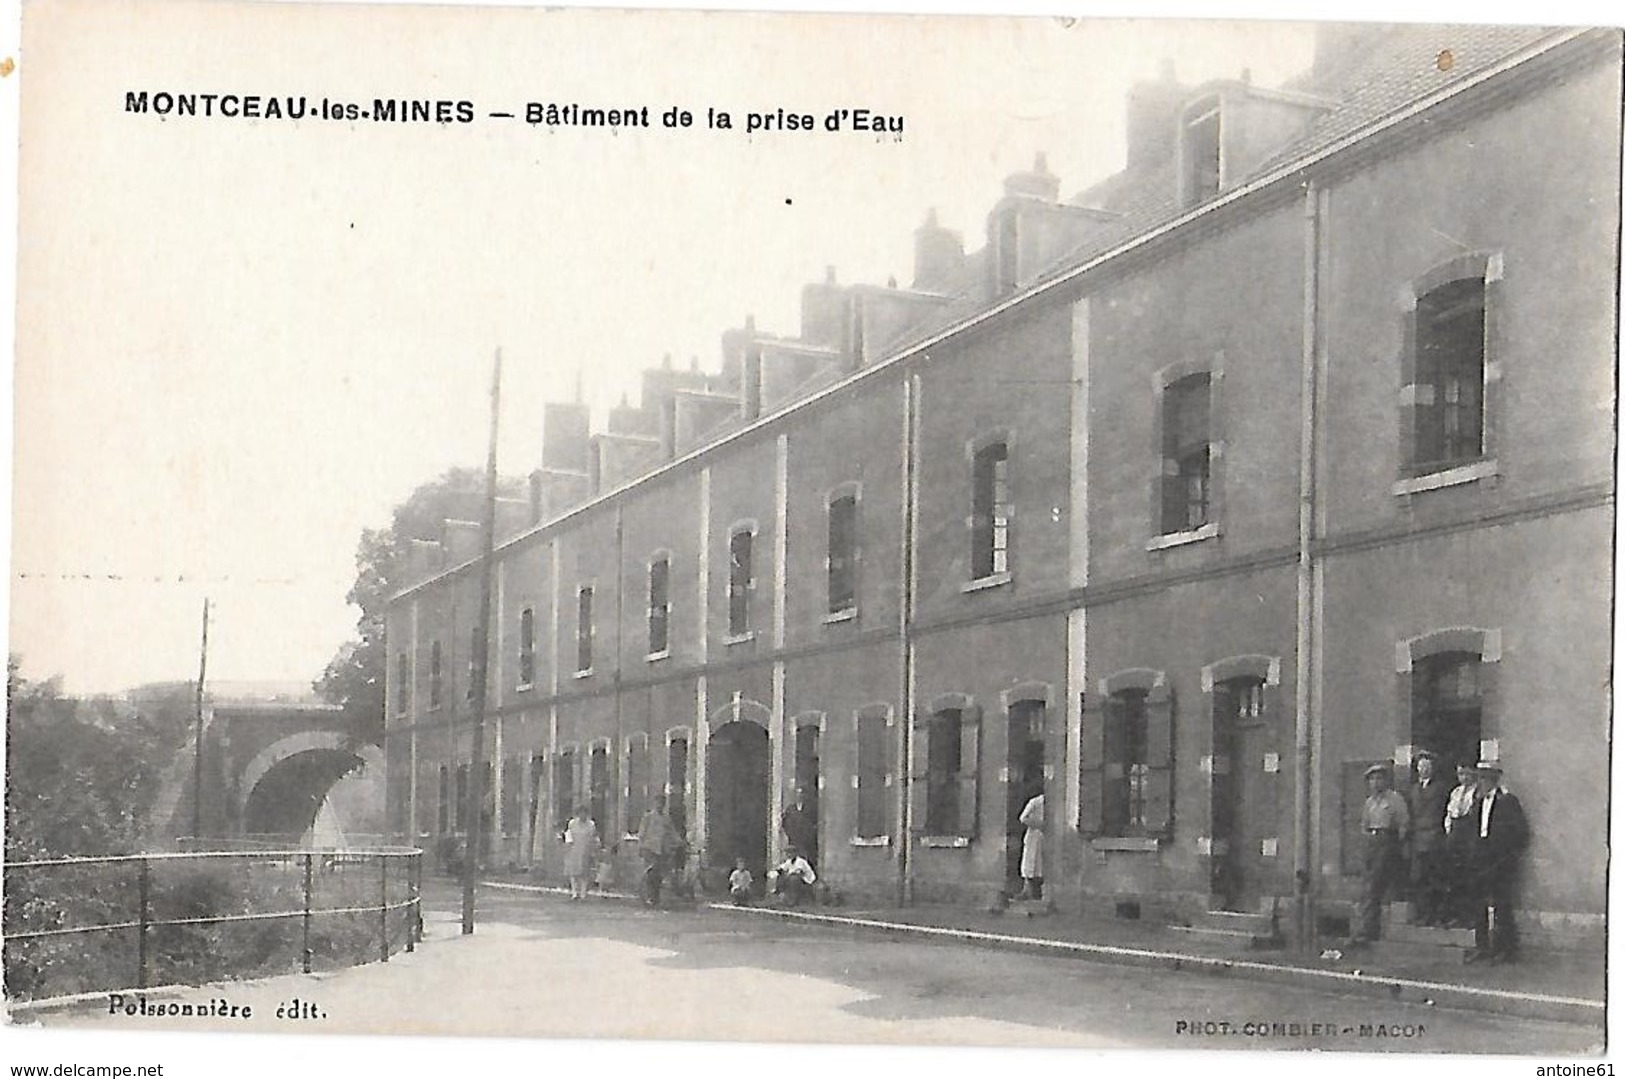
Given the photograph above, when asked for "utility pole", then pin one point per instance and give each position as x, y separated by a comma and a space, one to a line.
475, 793
197, 757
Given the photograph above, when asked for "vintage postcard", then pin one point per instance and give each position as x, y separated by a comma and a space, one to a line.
928, 530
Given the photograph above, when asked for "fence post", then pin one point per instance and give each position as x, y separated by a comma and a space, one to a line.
417, 899
307, 912
383, 906
144, 893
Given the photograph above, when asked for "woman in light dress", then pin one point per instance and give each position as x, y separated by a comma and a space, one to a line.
1032, 848
580, 852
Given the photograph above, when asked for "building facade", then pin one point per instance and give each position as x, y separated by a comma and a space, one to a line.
1285, 450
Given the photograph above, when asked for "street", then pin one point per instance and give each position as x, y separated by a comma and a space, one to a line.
540, 966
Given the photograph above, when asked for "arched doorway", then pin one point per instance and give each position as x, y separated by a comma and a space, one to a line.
736, 796
1025, 769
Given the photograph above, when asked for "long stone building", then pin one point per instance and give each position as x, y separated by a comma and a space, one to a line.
1285, 450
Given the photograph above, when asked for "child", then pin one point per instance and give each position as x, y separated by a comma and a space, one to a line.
739, 884
606, 869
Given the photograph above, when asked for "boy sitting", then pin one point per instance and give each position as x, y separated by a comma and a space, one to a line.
740, 884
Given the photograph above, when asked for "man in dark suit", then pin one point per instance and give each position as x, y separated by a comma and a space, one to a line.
1502, 833
1429, 877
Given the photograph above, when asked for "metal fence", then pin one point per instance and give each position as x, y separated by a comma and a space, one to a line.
75, 925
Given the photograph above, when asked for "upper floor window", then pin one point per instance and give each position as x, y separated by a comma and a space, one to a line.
990, 511
436, 680
584, 629
1203, 160
527, 647
660, 606
1448, 418
843, 553
403, 684
1186, 454
473, 662
740, 581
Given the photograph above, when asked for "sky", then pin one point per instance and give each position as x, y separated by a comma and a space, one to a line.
240, 343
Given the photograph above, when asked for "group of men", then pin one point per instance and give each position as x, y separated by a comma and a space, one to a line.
1458, 849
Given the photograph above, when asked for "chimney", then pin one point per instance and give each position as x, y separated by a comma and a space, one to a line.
1153, 118
750, 404
564, 436
939, 257
821, 311
1039, 183
538, 503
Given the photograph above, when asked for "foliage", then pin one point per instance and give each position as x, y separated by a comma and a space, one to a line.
355, 677
83, 775
199, 952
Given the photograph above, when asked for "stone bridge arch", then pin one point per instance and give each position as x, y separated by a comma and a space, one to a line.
283, 786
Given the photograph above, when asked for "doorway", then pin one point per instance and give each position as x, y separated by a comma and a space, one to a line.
801, 819
1447, 713
736, 796
1024, 770
1239, 825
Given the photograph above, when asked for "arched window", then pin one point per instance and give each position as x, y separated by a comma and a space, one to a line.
527, 647
436, 680
1186, 454
990, 511
660, 605
741, 579
843, 553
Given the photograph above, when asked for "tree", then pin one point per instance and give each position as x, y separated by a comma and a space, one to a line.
355, 677
83, 775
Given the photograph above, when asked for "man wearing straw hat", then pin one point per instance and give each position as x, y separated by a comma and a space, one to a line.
1503, 832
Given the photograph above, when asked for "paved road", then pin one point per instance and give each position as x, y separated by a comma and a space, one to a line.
541, 966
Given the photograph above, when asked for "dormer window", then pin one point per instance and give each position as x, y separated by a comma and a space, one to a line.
1202, 157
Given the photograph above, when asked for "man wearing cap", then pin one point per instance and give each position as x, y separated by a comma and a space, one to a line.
1503, 832
1429, 877
1385, 820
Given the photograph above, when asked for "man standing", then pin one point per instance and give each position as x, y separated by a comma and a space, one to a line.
655, 839
1429, 879
1503, 832
1461, 835
1384, 820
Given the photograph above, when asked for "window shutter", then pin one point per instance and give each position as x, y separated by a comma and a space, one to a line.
1408, 391
969, 802
1493, 298
1216, 446
918, 773
1091, 768
1159, 759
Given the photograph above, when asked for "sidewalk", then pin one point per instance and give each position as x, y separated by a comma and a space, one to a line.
1563, 986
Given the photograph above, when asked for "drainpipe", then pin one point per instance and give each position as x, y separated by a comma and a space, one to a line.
905, 620
1306, 705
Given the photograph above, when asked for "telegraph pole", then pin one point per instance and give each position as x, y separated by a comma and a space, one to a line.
197, 757
475, 794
